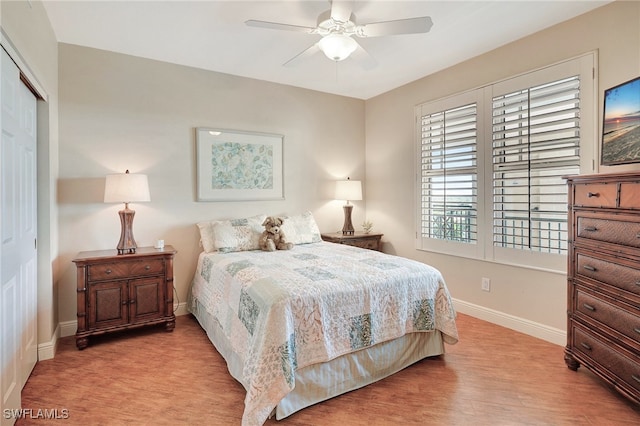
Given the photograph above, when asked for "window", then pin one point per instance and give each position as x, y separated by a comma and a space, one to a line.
491, 163
449, 174
536, 141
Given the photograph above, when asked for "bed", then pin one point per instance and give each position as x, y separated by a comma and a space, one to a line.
299, 326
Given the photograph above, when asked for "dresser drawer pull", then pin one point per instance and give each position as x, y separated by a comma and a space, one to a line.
147, 267
593, 194
124, 302
589, 307
637, 330
590, 268
590, 228
635, 377
586, 346
108, 271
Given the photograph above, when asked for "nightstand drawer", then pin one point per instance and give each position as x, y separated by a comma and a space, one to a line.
110, 271
363, 243
358, 239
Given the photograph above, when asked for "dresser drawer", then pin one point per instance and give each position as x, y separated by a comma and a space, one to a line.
596, 307
104, 271
630, 195
608, 356
608, 271
607, 229
595, 195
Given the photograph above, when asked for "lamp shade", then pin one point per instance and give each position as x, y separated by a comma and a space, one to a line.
337, 46
126, 188
349, 190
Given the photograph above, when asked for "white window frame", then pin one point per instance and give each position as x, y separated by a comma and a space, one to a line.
584, 66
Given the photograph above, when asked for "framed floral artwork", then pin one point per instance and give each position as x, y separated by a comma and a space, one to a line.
235, 165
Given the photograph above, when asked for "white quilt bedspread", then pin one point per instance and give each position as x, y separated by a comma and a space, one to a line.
285, 310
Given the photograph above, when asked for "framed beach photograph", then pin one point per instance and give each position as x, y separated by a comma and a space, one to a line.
621, 124
236, 165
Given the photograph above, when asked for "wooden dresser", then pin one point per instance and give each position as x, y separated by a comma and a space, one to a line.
117, 292
603, 331
358, 239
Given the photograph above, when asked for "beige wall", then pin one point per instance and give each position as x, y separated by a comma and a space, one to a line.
121, 112
27, 30
517, 295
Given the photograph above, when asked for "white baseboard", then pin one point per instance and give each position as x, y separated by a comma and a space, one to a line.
541, 331
68, 328
181, 309
47, 350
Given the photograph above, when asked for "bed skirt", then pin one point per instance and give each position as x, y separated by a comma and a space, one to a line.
319, 382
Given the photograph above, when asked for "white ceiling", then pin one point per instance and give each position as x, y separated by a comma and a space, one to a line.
212, 35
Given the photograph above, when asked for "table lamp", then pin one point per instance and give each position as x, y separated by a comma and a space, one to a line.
348, 190
126, 188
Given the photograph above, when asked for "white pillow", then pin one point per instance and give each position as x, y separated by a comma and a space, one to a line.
301, 229
231, 235
238, 234
206, 235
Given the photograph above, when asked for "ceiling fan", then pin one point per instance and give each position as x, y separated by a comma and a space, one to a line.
338, 28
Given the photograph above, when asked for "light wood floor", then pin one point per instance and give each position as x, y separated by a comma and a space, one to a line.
493, 376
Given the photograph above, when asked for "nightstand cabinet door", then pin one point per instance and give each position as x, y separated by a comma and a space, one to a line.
108, 304
146, 297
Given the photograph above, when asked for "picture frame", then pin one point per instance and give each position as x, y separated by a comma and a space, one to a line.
621, 124
234, 165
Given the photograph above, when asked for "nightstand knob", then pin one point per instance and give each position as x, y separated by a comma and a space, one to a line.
124, 302
147, 267
108, 271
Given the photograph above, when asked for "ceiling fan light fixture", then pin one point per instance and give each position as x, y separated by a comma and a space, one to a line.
337, 47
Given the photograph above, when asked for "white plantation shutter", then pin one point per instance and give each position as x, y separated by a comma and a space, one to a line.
449, 169
536, 141
490, 163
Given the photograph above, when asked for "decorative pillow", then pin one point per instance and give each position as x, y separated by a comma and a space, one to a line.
206, 236
210, 243
301, 229
238, 234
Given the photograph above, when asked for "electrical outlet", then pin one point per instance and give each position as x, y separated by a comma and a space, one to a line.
486, 284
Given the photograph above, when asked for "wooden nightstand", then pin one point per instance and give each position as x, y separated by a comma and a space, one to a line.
118, 292
358, 239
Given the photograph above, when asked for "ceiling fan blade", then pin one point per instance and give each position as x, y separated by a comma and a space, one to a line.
302, 56
341, 10
277, 26
363, 57
400, 26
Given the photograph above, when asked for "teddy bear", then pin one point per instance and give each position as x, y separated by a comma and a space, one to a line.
272, 237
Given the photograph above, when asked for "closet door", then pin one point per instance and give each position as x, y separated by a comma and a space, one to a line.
18, 227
